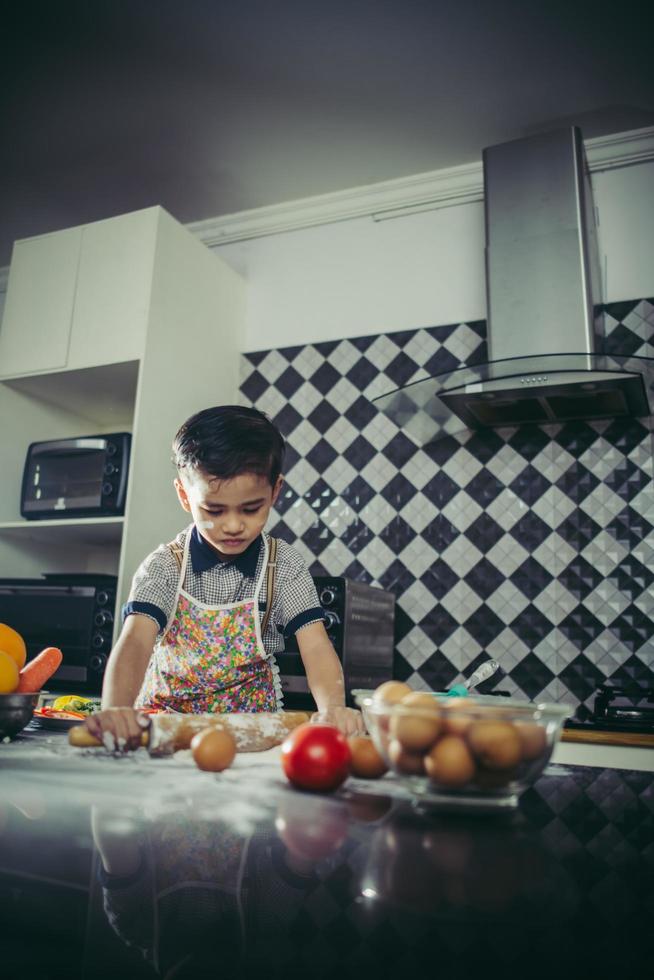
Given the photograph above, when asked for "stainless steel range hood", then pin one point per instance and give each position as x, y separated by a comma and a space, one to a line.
546, 362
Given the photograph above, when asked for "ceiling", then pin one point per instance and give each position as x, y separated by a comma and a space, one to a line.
209, 107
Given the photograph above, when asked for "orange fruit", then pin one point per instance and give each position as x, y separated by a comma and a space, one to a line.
13, 644
8, 673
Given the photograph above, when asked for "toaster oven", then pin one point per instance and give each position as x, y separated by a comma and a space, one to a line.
360, 622
78, 477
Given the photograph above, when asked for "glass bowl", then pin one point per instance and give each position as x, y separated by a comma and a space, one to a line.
472, 751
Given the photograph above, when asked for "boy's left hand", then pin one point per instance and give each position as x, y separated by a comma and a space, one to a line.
348, 720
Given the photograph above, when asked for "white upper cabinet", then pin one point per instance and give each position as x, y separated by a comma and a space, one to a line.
80, 297
38, 310
112, 299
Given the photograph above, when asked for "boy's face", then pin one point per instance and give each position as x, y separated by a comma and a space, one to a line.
229, 514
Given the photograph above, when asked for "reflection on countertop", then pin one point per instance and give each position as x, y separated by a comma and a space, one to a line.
140, 867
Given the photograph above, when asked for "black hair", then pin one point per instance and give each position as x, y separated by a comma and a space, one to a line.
228, 440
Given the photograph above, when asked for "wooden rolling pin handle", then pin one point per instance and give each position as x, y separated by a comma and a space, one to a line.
81, 738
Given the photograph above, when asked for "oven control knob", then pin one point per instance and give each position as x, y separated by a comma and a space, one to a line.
109, 469
107, 488
99, 641
331, 620
327, 596
103, 618
102, 598
111, 449
97, 661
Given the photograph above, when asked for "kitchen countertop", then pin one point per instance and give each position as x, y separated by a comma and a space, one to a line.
599, 736
586, 745
138, 867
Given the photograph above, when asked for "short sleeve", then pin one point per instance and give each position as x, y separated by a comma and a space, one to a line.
154, 587
300, 605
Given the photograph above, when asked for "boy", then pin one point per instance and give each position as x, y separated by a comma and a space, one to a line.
197, 632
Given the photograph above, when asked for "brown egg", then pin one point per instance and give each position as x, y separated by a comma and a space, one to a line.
416, 730
495, 744
532, 739
366, 762
449, 762
408, 763
456, 722
390, 692
386, 695
422, 700
213, 749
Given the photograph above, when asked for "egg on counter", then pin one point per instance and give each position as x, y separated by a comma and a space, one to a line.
366, 762
213, 749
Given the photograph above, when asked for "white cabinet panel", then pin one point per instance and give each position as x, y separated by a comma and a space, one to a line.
35, 329
148, 336
113, 289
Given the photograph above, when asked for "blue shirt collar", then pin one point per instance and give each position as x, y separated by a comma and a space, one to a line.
204, 557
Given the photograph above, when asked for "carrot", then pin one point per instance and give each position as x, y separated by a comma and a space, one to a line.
53, 713
39, 670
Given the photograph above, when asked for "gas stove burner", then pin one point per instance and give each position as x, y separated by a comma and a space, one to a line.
628, 707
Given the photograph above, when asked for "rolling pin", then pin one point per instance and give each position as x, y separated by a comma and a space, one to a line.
166, 733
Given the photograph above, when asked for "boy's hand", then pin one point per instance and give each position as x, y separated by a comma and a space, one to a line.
119, 729
348, 720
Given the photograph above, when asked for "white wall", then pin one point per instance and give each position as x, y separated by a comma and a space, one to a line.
625, 202
361, 277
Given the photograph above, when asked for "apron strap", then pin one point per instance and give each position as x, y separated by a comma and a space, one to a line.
177, 551
270, 581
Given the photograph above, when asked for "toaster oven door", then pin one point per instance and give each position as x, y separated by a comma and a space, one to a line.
61, 616
64, 475
78, 477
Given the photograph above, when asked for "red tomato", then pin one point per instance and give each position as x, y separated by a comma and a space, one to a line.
316, 756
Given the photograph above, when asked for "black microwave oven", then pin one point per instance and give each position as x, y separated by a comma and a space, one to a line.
79, 477
72, 612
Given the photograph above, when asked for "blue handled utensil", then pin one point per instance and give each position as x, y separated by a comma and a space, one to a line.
482, 673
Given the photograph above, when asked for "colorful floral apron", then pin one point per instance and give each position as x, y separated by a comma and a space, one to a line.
212, 658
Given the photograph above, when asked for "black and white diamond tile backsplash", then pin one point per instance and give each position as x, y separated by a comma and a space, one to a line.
531, 545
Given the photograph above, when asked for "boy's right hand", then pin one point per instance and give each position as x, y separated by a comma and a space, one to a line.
119, 729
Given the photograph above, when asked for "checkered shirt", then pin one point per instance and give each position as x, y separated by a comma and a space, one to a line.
215, 582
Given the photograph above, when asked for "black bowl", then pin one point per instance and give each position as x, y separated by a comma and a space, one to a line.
16, 711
